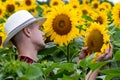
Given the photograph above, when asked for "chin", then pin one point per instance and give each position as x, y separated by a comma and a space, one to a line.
42, 46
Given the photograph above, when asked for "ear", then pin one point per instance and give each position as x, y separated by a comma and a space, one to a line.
27, 31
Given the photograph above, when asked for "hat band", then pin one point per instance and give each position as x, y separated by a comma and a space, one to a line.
22, 24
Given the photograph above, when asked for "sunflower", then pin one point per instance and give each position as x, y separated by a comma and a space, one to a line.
61, 25
95, 4
28, 4
54, 3
2, 38
101, 18
10, 6
19, 4
2, 34
85, 9
116, 14
2, 10
102, 8
74, 4
96, 39
33, 11
46, 9
85, 2
107, 5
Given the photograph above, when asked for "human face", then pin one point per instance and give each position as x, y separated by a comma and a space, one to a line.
37, 36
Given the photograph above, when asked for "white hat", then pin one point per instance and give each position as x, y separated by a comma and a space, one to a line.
17, 22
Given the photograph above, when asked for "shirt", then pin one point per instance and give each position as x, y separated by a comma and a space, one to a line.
27, 59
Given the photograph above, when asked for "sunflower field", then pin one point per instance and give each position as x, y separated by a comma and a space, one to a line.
70, 26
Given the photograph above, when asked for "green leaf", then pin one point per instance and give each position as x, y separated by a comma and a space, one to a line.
19, 72
2, 20
33, 72
85, 62
80, 27
50, 49
67, 66
65, 77
117, 43
97, 65
40, 10
111, 71
82, 63
23, 78
117, 56
116, 35
111, 76
88, 18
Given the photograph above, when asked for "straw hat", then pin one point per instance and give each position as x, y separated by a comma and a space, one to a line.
17, 22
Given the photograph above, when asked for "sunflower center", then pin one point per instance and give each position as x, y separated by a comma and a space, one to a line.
32, 10
119, 13
74, 6
0, 11
96, 5
95, 41
86, 2
48, 11
0, 40
10, 7
102, 9
55, 3
28, 2
62, 24
84, 11
106, 6
99, 20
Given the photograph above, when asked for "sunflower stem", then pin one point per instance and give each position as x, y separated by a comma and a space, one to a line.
68, 53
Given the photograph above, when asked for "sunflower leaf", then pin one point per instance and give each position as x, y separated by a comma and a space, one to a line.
40, 10
0, 30
97, 65
111, 73
2, 20
117, 43
88, 18
79, 27
117, 56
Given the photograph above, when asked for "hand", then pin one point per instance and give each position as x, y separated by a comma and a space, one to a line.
107, 54
84, 53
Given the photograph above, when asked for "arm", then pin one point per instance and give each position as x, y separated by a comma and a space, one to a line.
106, 56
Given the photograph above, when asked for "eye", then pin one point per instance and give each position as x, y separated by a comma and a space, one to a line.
41, 28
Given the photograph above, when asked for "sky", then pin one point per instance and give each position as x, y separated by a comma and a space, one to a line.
114, 1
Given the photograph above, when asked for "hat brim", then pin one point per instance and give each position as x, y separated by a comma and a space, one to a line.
7, 42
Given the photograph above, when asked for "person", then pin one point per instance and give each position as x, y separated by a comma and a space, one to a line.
24, 32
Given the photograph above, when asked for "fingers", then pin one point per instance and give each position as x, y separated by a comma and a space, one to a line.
110, 48
108, 52
84, 48
107, 55
101, 57
83, 53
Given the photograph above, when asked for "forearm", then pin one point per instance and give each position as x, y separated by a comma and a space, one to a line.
92, 75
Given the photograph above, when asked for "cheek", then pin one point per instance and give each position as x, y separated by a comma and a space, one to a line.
39, 35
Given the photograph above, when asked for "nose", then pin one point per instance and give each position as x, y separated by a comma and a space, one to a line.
43, 34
